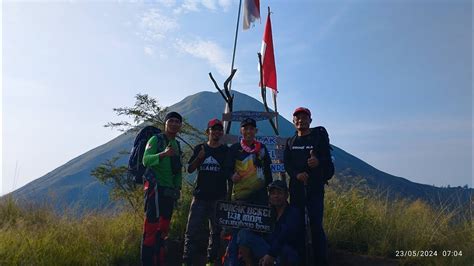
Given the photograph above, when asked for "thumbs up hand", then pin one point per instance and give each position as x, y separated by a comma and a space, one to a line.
168, 151
312, 160
236, 178
201, 153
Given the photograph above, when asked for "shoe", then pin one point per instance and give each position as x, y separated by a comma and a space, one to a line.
186, 262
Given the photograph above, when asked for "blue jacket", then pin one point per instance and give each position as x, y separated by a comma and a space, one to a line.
288, 230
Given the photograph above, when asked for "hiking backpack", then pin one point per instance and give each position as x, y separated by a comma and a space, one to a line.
136, 169
322, 147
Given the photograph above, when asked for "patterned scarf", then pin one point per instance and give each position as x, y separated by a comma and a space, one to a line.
245, 147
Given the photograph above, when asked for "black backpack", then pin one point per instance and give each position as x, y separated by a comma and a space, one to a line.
322, 148
136, 169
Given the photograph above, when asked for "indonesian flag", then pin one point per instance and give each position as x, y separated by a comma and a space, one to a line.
251, 12
268, 58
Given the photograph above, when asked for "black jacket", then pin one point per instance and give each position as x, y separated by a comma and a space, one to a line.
296, 154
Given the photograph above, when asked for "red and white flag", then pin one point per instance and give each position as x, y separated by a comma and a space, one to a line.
251, 12
268, 58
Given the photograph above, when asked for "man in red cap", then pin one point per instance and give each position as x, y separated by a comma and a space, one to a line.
211, 185
309, 164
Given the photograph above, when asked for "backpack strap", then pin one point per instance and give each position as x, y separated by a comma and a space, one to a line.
161, 141
165, 142
320, 137
179, 148
291, 141
161, 144
317, 134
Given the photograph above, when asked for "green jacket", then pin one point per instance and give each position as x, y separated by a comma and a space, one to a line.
162, 167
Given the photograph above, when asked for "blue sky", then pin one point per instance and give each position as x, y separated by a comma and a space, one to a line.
390, 80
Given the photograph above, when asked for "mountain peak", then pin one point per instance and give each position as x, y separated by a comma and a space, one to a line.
72, 184
199, 108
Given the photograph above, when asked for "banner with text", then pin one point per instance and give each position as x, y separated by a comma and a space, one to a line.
241, 215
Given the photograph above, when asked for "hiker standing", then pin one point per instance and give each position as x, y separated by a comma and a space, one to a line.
282, 244
309, 164
248, 163
208, 158
163, 177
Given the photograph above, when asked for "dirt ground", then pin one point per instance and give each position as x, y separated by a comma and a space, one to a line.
336, 257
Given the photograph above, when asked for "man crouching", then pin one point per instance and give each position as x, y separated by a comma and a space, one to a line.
281, 245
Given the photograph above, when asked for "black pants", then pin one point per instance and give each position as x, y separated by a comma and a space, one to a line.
315, 204
200, 213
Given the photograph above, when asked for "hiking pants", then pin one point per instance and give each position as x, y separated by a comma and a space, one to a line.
158, 211
315, 205
201, 212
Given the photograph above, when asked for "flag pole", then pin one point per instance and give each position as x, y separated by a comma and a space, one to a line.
235, 41
275, 107
227, 124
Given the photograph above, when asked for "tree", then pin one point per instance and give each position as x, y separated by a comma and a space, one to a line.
146, 111
123, 187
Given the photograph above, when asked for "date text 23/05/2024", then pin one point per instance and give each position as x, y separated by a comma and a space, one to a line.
428, 253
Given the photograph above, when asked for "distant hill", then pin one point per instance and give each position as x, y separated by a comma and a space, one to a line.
72, 185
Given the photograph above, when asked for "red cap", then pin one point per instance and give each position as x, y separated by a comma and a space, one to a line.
214, 122
302, 110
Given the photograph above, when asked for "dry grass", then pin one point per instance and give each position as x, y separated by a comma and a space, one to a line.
365, 223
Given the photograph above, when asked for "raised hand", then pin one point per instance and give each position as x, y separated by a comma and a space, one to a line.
168, 151
236, 178
312, 160
202, 153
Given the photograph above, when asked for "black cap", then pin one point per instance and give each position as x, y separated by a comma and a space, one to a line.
174, 115
280, 184
248, 121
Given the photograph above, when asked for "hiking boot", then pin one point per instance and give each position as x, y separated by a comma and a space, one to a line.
187, 262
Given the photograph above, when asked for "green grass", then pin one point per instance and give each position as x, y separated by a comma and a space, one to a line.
35, 236
357, 221
365, 222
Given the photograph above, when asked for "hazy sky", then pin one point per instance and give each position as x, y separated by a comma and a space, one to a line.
391, 80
